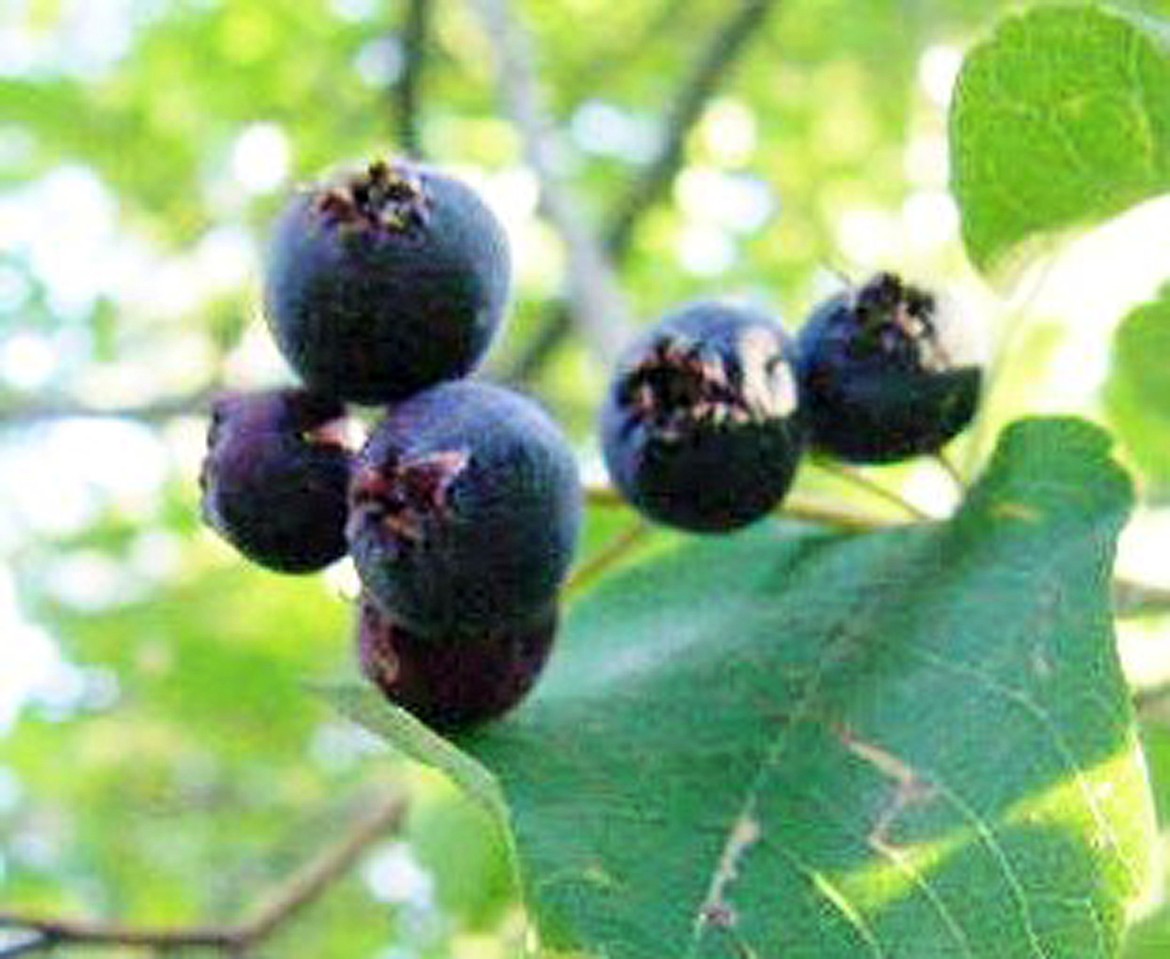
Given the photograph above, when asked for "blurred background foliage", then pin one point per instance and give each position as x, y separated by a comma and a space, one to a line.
160, 758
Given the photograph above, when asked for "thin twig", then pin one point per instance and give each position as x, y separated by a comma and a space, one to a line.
861, 481
679, 118
1132, 599
274, 909
669, 22
597, 301
832, 515
58, 932
616, 549
798, 508
407, 91
1153, 702
314, 877
953, 473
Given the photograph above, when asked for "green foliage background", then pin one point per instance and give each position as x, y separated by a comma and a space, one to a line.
172, 764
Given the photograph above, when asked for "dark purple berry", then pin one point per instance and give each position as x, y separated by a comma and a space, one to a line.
700, 429
464, 510
383, 282
275, 476
887, 372
451, 685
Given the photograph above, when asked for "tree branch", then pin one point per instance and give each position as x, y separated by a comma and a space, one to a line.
307, 883
407, 92
644, 190
163, 408
274, 909
596, 299
52, 933
681, 116
671, 22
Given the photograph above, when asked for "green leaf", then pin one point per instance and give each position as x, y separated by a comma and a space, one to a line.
418, 742
1061, 119
1149, 938
792, 743
1138, 392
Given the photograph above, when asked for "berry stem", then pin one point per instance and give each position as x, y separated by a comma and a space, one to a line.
1131, 599
617, 548
832, 515
860, 480
1152, 703
799, 509
1008, 334
952, 470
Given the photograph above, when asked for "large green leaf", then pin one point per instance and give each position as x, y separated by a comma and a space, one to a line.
913, 743
1138, 391
1060, 119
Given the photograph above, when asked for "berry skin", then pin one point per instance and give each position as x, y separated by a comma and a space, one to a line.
275, 476
886, 373
383, 282
464, 511
453, 685
700, 429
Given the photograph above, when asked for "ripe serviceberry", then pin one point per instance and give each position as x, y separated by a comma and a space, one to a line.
275, 476
700, 429
887, 371
453, 683
382, 282
465, 507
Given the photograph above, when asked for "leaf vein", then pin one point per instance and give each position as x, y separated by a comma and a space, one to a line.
1040, 715
908, 869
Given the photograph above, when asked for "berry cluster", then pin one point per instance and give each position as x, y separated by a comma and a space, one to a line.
461, 512
709, 412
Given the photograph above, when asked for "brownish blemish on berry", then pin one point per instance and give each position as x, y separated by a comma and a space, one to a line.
404, 495
377, 657
887, 309
680, 385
